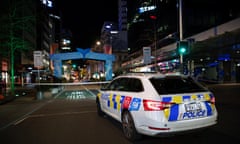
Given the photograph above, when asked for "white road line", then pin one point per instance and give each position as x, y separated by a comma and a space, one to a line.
60, 114
20, 121
24, 117
47, 115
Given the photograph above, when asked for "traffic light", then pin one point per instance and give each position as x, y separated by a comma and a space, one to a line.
183, 47
74, 65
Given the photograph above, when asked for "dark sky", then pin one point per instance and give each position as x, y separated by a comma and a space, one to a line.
85, 18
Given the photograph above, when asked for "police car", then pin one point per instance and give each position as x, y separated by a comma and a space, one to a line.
156, 104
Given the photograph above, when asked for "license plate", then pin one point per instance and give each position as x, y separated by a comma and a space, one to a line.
193, 106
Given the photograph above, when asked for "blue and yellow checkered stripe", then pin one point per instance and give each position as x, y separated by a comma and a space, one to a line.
173, 112
116, 101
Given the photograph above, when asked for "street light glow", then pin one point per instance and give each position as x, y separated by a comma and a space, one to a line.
98, 43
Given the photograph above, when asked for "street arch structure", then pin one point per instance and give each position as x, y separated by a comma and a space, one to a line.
82, 54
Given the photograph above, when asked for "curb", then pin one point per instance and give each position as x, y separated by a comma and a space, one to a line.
7, 99
19, 92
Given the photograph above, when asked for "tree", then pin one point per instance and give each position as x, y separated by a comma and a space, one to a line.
15, 22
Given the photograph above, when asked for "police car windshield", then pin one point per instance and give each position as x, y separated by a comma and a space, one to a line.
176, 84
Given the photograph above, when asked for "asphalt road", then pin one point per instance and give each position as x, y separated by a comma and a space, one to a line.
71, 118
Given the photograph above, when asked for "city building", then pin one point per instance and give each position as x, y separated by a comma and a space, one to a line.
113, 40
210, 28
27, 26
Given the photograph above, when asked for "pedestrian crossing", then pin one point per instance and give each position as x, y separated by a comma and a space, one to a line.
77, 95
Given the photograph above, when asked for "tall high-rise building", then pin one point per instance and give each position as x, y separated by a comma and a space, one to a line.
29, 26
209, 26
147, 17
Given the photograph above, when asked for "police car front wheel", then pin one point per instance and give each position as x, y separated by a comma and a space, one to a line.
99, 110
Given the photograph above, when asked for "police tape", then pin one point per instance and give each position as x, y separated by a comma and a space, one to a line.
69, 83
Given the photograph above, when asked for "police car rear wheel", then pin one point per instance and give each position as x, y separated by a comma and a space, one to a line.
128, 126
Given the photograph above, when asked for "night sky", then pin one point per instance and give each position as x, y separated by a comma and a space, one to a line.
85, 19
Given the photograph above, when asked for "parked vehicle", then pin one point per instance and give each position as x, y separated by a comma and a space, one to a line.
157, 104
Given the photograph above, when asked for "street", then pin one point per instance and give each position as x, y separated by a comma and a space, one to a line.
71, 118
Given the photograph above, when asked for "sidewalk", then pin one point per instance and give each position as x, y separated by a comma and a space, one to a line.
20, 91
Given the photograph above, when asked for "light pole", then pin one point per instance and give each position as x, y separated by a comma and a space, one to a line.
180, 21
180, 33
155, 44
154, 18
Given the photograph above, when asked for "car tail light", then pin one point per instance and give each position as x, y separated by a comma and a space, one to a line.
150, 105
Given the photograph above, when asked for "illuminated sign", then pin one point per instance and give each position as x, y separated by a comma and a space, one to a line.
144, 9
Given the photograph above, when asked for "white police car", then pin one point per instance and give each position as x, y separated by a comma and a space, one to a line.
157, 104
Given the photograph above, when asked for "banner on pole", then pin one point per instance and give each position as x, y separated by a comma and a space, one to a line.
38, 59
146, 55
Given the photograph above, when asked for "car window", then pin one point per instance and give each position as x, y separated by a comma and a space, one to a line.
119, 84
135, 85
172, 85
126, 84
113, 85
122, 85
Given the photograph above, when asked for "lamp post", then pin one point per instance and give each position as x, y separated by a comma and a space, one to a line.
180, 34
154, 18
155, 45
180, 21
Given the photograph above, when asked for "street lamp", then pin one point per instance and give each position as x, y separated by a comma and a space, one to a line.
180, 34
98, 43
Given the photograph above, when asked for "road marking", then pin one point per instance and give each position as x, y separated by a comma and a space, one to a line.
47, 115
20, 120
24, 117
60, 114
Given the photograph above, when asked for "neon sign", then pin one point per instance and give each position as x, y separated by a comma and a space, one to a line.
144, 9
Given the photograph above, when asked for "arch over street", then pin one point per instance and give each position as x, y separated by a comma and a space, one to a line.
82, 54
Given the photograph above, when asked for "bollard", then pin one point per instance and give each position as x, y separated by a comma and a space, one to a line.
39, 95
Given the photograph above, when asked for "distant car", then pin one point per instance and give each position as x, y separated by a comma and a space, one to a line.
157, 104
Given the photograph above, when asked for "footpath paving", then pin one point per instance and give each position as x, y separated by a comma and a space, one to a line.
20, 91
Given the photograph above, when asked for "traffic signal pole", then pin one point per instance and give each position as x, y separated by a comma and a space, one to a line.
180, 34
180, 21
